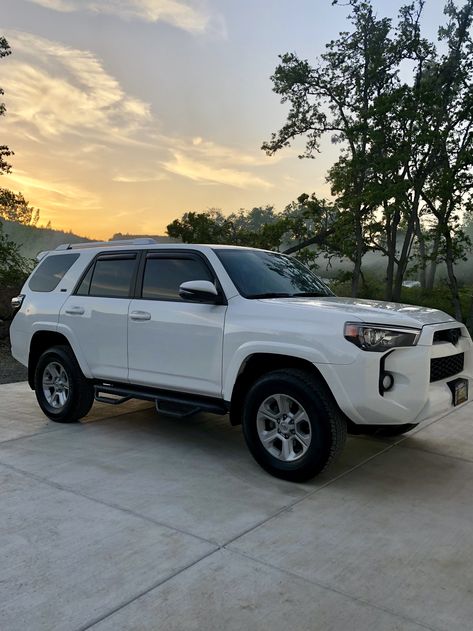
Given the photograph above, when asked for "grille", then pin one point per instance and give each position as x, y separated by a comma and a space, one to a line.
448, 335
443, 367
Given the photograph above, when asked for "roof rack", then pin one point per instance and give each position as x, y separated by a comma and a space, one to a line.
110, 244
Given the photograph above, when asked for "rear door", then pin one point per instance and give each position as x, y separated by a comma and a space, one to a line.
96, 314
174, 344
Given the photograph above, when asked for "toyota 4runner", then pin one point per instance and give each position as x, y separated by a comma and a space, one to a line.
234, 330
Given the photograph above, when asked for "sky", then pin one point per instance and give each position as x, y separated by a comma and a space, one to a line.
124, 114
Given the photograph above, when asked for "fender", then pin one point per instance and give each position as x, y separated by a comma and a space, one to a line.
242, 353
74, 343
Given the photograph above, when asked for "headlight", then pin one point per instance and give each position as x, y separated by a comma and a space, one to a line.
371, 337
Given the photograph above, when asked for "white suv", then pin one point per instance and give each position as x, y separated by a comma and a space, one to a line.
234, 330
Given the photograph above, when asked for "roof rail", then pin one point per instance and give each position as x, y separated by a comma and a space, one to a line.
111, 244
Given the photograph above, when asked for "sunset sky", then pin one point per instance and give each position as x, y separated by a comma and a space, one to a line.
123, 114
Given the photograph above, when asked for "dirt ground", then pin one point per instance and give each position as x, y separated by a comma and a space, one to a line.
10, 369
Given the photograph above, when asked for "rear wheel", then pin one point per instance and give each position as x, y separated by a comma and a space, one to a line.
291, 425
62, 391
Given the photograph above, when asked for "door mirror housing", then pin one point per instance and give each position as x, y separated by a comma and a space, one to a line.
199, 291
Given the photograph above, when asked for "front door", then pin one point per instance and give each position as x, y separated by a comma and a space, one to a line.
174, 344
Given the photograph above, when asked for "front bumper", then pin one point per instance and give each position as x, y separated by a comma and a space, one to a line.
413, 397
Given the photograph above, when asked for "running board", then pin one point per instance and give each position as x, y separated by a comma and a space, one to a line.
166, 402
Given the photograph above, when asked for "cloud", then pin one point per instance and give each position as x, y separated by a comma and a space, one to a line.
189, 16
199, 171
64, 102
60, 194
54, 89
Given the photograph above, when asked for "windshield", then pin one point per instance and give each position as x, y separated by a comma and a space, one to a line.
260, 274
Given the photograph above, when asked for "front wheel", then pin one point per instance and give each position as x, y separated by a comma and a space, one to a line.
62, 391
291, 425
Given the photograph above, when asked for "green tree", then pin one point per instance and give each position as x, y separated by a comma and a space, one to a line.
259, 227
5, 152
14, 268
14, 207
338, 96
448, 191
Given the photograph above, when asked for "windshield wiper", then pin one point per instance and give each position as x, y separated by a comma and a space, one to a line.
271, 294
280, 294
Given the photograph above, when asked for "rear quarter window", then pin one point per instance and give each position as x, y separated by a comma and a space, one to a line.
50, 271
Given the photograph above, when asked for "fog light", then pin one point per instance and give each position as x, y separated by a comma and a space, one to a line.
387, 381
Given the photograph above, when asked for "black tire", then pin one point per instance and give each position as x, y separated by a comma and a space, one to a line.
387, 430
327, 424
81, 392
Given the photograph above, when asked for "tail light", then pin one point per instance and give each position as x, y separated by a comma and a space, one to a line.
16, 303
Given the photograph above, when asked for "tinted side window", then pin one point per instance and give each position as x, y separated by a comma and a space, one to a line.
84, 287
50, 272
112, 277
163, 276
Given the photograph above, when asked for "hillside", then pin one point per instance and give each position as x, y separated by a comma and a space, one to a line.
33, 240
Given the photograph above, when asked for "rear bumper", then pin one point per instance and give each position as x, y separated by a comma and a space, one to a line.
20, 343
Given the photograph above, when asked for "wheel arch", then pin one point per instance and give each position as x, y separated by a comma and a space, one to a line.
41, 341
258, 364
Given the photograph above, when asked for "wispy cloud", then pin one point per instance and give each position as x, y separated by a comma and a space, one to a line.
54, 89
206, 172
189, 16
60, 194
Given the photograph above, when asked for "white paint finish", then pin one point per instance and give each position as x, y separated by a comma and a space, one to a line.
179, 347
377, 311
228, 591
201, 348
100, 332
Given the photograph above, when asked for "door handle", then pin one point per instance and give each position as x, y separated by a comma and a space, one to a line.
140, 316
75, 310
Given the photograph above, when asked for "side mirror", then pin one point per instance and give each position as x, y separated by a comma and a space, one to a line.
198, 291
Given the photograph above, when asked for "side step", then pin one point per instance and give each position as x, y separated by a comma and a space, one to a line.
167, 402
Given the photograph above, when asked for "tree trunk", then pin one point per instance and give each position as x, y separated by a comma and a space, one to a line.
422, 255
403, 261
355, 281
391, 236
452, 279
388, 290
469, 320
406, 247
434, 262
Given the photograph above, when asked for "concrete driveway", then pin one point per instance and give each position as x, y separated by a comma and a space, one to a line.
131, 521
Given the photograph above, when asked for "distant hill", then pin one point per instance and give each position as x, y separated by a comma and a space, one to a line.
159, 238
32, 239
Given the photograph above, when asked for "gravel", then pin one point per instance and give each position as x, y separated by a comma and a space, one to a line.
10, 369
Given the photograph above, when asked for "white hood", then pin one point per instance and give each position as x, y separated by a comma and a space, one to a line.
372, 311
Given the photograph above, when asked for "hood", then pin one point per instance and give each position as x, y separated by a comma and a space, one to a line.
371, 311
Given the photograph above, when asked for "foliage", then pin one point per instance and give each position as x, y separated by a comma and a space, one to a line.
404, 174
438, 298
14, 207
259, 227
5, 152
14, 268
